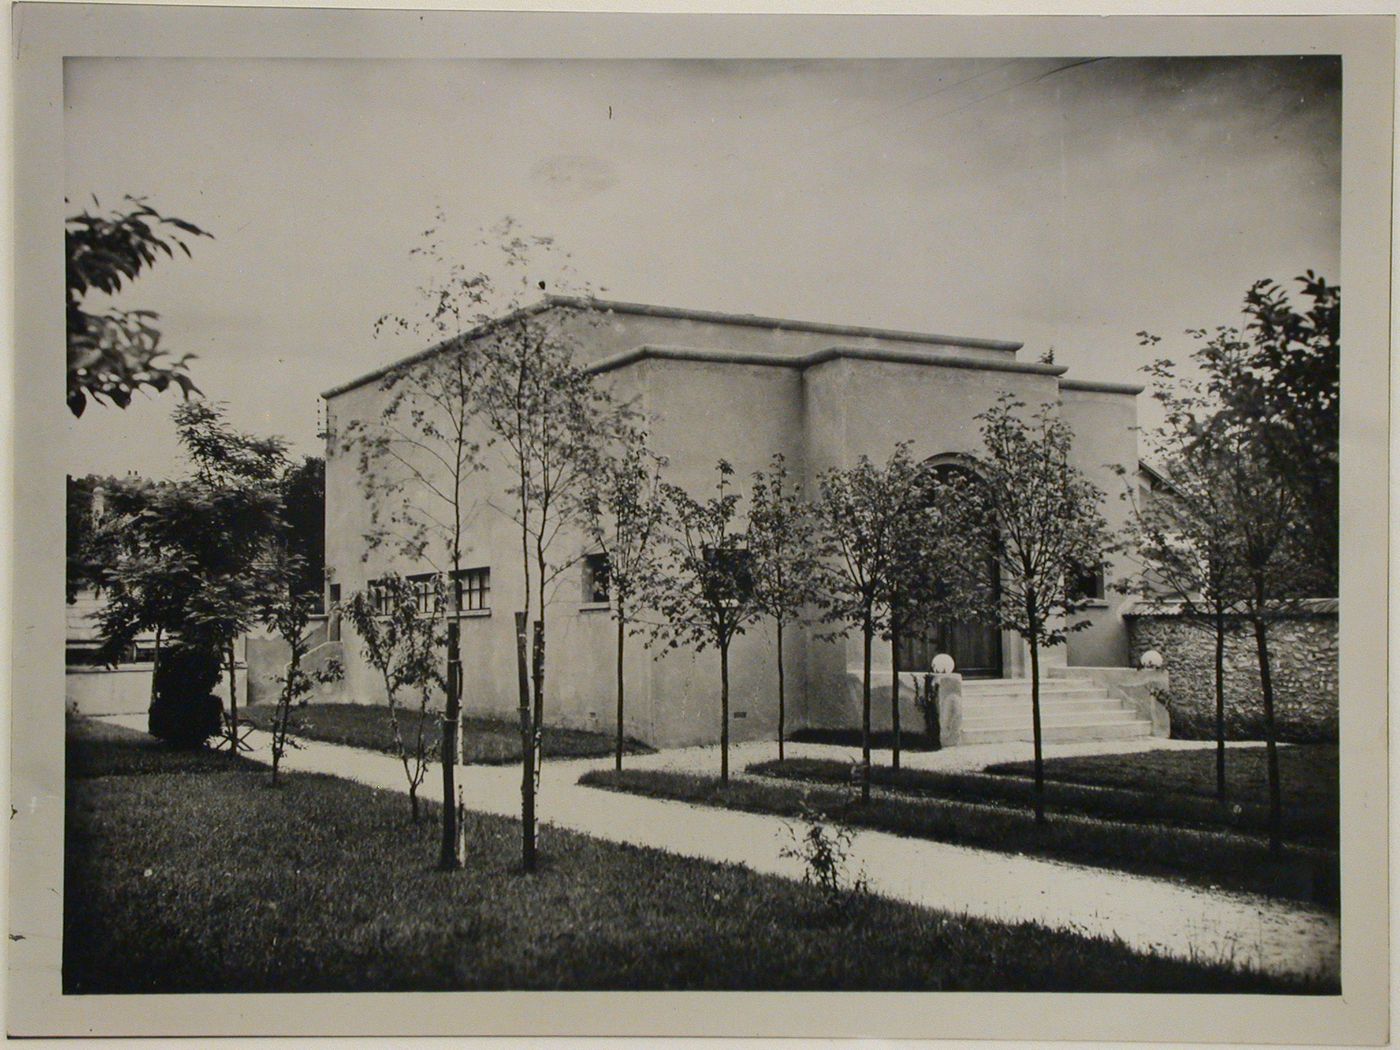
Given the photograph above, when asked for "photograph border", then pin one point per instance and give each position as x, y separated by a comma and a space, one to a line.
43, 34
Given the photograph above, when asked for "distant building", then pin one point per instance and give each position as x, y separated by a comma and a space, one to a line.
742, 388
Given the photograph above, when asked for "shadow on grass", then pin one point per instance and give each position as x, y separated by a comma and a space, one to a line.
191, 879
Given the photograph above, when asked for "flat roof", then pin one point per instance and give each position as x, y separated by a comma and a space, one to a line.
707, 316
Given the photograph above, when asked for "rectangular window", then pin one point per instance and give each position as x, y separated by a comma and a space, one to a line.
379, 595
473, 588
424, 591
1087, 584
596, 578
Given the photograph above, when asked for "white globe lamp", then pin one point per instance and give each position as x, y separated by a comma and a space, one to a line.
943, 664
1151, 660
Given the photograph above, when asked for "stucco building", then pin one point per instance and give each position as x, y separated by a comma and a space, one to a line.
742, 388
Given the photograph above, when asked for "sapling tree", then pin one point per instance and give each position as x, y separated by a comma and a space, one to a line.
1180, 537
624, 506
401, 640
783, 560
938, 560
291, 594
705, 593
1049, 529
861, 514
548, 424
1277, 383
418, 458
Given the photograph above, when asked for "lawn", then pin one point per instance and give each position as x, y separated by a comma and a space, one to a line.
190, 873
1117, 795
485, 741
1307, 775
1211, 859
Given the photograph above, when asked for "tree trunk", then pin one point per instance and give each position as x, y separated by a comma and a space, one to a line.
782, 692
232, 700
1220, 789
413, 801
527, 749
865, 716
1266, 683
724, 713
537, 724
449, 853
1035, 732
621, 638
155, 666
894, 697
284, 713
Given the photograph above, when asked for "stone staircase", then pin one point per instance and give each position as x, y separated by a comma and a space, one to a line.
995, 710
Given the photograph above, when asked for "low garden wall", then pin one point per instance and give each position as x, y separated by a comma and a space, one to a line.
1302, 659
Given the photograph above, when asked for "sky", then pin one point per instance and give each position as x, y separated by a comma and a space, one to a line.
1068, 204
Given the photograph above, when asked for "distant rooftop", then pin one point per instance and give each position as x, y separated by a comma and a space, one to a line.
707, 316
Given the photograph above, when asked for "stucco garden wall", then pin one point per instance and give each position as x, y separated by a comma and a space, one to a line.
1303, 661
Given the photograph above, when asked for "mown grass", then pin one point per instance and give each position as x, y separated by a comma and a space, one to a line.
191, 874
880, 739
1161, 803
485, 741
1209, 859
1308, 776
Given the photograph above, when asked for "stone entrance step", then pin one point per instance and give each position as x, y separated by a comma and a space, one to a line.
998, 710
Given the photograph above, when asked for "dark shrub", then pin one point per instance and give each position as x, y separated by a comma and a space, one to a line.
185, 711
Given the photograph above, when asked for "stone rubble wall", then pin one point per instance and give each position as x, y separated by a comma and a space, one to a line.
1302, 658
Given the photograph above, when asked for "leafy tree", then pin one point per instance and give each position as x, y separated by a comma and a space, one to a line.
401, 643
1049, 529
189, 561
1275, 438
624, 504
783, 559
240, 474
1281, 379
114, 353
1181, 536
705, 594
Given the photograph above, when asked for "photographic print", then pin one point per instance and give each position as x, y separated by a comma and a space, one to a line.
651, 518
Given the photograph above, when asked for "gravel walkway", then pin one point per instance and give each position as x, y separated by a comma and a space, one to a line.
1281, 937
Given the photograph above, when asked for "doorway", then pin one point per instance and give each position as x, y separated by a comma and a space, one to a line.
974, 646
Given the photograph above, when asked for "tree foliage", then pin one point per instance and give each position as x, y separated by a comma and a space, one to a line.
113, 353
874, 521
403, 644
624, 505
188, 560
705, 594
784, 559
1049, 530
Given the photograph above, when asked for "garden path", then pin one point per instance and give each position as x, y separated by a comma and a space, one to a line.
1150, 915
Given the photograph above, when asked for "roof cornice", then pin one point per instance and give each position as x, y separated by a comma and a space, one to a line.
818, 357
709, 316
